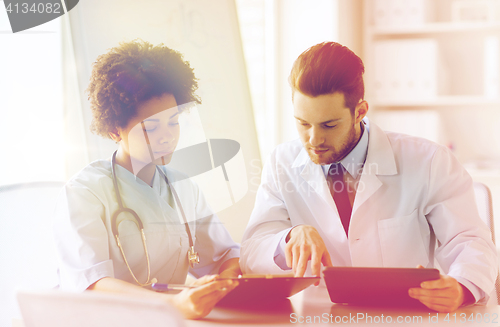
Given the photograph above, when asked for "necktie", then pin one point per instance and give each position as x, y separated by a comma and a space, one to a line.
338, 189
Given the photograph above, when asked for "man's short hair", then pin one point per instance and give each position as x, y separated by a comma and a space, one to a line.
327, 68
130, 74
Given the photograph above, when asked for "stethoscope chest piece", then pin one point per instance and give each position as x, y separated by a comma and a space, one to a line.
193, 257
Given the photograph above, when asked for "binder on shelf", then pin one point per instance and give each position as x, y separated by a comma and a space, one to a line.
420, 123
405, 69
475, 10
396, 13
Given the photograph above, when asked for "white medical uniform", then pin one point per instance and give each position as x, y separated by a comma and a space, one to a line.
407, 184
87, 248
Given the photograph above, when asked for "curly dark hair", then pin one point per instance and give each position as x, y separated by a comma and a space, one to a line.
132, 73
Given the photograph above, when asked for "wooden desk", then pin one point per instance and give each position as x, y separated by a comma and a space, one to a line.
313, 307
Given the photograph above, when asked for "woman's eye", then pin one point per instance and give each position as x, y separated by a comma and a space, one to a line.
148, 129
330, 126
173, 123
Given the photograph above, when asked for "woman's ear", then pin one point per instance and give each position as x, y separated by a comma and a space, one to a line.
115, 135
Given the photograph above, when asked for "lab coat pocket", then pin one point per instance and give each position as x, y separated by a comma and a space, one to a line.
402, 242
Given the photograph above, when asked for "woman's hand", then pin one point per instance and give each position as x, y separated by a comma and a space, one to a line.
230, 269
195, 303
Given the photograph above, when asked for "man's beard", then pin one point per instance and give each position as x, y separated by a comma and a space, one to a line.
336, 156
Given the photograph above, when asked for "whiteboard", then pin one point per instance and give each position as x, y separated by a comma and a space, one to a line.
207, 33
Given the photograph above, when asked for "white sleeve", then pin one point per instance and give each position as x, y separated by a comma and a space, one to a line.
465, 250
279, 254
81, 239
213, 242
268, 225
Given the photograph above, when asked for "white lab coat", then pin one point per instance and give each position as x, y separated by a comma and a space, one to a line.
407, 183
86, 246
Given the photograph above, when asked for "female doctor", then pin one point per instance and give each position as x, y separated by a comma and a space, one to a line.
120, 223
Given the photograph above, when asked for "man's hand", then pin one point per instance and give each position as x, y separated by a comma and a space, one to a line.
306, 244
445, 294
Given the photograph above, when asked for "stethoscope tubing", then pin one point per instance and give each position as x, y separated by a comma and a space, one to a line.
192, 256
133, 213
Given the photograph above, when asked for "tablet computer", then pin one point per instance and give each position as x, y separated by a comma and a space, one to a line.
266, 288
379, 286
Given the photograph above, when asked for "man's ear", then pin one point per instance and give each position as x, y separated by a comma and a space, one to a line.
115, 135
361, 110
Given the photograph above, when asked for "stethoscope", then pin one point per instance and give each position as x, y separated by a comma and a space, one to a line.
192, 255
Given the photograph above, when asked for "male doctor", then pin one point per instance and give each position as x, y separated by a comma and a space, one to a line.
350, 194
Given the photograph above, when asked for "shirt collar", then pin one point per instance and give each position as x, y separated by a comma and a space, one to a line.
355, 160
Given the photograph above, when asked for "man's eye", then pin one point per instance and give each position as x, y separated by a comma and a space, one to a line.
173, 123
330, 126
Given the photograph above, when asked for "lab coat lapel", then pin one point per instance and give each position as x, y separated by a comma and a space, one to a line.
162, 193
137, 191
379, 161
323, 207
314, 176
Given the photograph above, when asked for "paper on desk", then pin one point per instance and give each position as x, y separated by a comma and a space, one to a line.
62, 309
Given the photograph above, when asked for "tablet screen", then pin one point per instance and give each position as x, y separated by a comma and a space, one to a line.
253, 288
360, 285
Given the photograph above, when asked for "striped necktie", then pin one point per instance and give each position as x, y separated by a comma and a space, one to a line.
338, 189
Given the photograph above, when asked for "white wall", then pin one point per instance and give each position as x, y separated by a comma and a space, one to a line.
207, 34
275, 33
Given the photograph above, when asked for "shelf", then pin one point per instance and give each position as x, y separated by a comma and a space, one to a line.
487, 170
441, 101
433, 28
